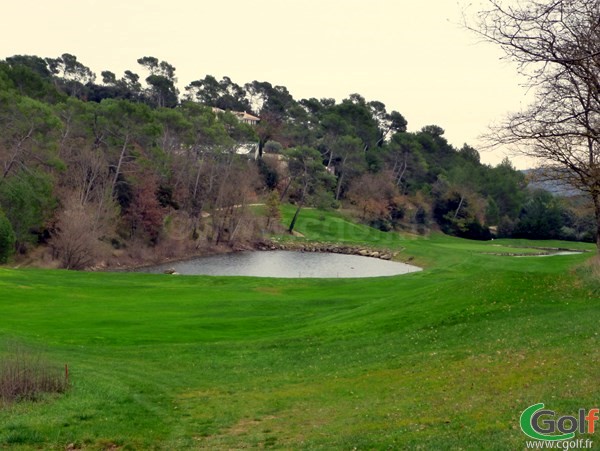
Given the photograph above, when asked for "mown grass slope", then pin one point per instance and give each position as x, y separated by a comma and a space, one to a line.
443, 359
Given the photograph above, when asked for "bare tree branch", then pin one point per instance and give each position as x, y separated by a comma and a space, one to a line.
556, 45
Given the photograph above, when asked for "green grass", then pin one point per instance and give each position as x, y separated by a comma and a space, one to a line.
443, 359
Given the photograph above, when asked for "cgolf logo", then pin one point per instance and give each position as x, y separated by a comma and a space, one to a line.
541, 424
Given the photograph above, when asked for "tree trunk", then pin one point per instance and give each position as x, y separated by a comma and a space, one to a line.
596, 199
462, 198
119, 164
237, 221
195, 192
285, 190
399, 181
598, 230
261, 146
293, 223
338, 189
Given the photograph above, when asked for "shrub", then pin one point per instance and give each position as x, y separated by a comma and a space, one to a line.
269, 173
27, 200
145, 216
273, 209
7, 238
75, 240
25, 375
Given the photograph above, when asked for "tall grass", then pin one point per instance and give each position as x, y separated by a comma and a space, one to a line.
595, 266
25, 375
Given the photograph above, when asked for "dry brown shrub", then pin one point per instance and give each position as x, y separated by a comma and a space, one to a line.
74, 241
25, 374
595, 266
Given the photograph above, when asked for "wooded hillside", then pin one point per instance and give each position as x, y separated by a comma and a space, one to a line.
104, 169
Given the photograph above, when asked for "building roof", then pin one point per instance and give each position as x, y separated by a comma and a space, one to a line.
242, 115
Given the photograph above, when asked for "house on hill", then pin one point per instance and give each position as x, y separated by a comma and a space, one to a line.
246, 118
242, 116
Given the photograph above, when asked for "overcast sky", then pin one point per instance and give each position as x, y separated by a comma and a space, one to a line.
411, 55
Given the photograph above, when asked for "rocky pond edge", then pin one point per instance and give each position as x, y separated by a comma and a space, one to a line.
332, 248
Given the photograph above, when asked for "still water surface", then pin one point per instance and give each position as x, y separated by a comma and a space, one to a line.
286, 264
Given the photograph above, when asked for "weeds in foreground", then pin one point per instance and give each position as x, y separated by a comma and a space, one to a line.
25, 375
590, 270
595, 266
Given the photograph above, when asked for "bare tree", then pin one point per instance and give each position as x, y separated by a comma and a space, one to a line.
556, 44
233, 188
145, 216
75, 239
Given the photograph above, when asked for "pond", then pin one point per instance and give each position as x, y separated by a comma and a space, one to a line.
286, 264
552, 254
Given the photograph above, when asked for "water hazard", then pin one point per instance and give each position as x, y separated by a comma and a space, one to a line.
286, 264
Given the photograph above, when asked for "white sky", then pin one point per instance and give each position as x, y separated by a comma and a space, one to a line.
411, 55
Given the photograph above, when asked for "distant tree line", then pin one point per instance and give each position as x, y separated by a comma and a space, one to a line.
99, 168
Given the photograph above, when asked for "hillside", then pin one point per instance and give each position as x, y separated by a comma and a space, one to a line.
109, 171
537, 181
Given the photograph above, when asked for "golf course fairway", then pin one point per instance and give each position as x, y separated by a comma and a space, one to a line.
446, 358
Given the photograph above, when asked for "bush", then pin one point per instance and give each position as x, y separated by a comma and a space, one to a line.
75, 241
273, 209
145, 216
506, 227
541, 218
382, 224
27, 200
269, 174
25, 375
7, 238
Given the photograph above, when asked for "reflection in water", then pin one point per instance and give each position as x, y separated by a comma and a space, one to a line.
286, 264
